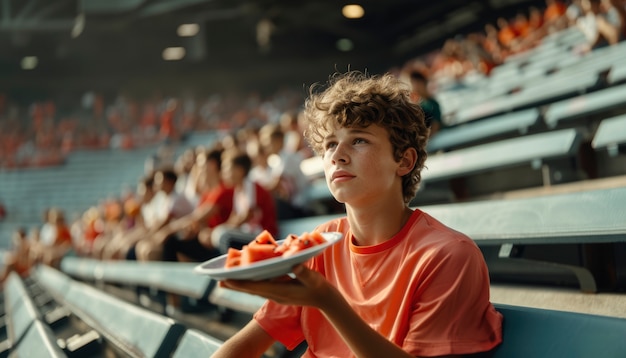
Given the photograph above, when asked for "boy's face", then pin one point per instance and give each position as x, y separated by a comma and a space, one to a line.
359, 165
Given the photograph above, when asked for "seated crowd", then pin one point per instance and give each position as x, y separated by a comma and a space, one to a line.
212, 198
219, 196
40, 135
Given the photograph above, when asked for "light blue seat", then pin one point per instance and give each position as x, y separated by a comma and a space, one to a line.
133, 329
617, 74
28, 335
196, 344
545, 90
539, 333
19, 307
610, 135
173, 277
531, 149
585, 105
39, 341
234, 300
464, 134
595, 216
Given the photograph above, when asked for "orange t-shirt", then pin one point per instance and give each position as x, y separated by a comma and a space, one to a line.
426, 289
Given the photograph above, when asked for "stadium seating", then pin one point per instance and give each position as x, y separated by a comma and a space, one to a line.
133, 330
579, 218
167, 276
223, 297
39, 341
28, 334
610, 135
551, 152
556, 86
581, 108
196, 344
488, 129
617, 75
529, 332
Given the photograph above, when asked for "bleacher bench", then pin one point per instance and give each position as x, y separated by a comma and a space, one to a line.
610, 135
135, 331
617, 75
172, 277
540, 333
549, 89
533, 150
196, 344
527, 332
39, 341
581, 107
488, 128
28, 335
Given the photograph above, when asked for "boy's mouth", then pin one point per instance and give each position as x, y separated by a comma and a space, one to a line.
341, 175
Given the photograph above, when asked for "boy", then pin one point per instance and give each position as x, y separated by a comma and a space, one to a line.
400, 283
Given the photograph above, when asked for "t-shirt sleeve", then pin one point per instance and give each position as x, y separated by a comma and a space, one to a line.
281, 322
451, 312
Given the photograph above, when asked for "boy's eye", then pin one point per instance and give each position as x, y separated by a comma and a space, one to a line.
330, 145
359, 141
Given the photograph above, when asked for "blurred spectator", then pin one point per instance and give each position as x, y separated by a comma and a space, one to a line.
168, 131
421, 95
186, 169
507, 36
55, 239
294, 141
482, 60
19, 258
92, 226
288, 183
261, 171
554, 18
601, 22
170, 203
3, 210
253, 206
189, 237
451, 63
491, 44
145, 220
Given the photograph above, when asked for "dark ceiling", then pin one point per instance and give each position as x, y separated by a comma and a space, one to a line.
121, 41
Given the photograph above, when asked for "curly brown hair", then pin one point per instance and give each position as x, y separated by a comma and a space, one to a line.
356, 99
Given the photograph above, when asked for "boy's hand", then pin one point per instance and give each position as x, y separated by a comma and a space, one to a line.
309, 288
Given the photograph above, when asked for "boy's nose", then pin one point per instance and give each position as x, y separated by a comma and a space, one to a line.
339, 155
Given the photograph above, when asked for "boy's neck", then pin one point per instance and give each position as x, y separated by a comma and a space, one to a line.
375, 225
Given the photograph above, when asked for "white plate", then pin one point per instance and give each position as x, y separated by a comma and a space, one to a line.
265, 269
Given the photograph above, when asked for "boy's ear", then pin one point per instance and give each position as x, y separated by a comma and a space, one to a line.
407, 162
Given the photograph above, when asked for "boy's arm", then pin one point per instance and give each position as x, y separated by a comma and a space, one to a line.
251, 341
